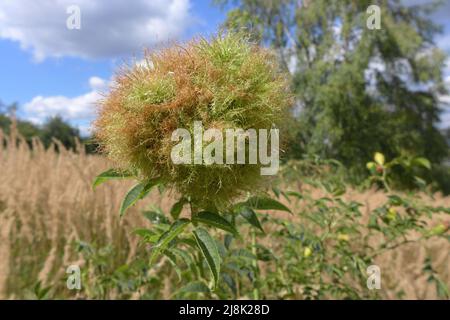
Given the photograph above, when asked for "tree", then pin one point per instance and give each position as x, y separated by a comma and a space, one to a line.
57, 128
358, 90
26, 129
447, 135
53, 128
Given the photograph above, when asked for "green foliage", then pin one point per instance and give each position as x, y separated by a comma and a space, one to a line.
358, 90
25, 128
433, 277
166, 237
250, 215
177, 208
110, 174
322, 251
264, 203
407, 173
401, 173
322, 248
53, 128
209, 251
57, 128
214, 220
102, 277
135, 194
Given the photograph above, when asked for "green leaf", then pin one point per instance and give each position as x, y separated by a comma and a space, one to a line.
109, 175
183, 255
230, 283
210, 252
189, 242
250, 215
422, 162
396, 200
265, 203
147, 235
177, 207
173, 261
227, 241
276, 191
214, 220
175, 229
243, 253
194, 287
420, 182
294, 194
135, 194
373, 222
264, 254
441, 288
143, 232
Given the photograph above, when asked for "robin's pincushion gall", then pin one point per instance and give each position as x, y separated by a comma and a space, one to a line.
224, 83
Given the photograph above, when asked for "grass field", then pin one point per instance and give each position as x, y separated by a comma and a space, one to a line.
47, 204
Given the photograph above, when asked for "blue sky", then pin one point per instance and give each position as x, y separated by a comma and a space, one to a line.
49, 69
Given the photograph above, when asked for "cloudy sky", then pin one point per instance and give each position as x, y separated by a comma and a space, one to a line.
49, 69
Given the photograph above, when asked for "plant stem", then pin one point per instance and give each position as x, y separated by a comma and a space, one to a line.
255, 265
193, 212
388, 189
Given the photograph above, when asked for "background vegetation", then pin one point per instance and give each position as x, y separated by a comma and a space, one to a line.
358, 90
53, 128
333, 210
320, 250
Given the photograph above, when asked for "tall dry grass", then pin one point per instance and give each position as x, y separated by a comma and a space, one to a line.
47, 203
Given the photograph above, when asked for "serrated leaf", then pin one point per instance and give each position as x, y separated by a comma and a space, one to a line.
109, 175
135, 194
265, 203
250, 215
175, 229
215, 220
208, 247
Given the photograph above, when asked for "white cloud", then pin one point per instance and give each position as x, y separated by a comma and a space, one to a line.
79, 110
76, 110
108, 28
